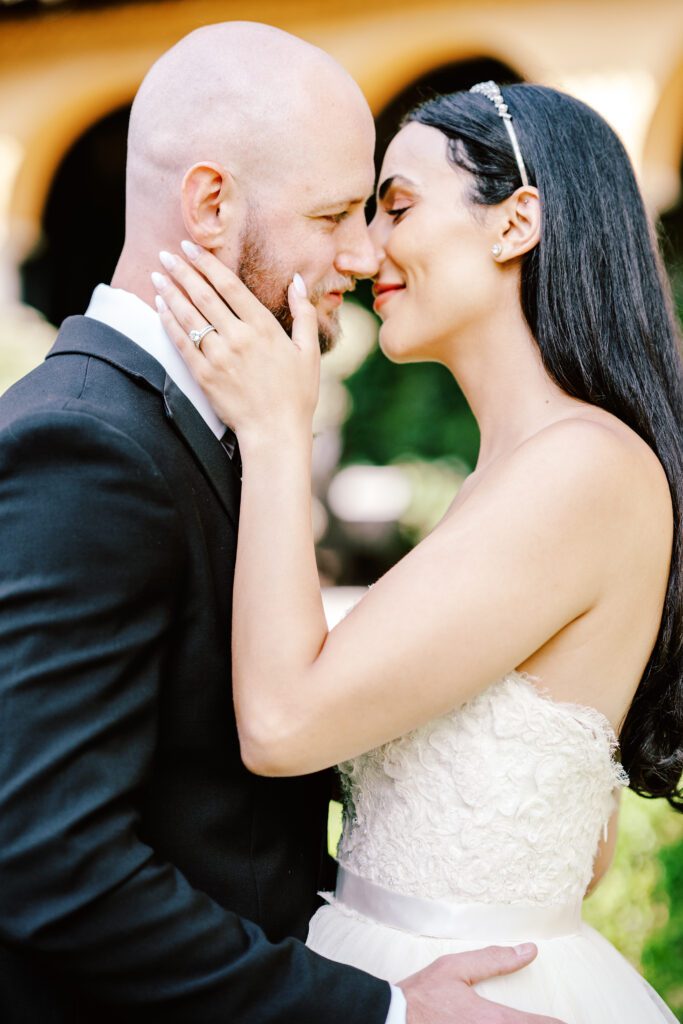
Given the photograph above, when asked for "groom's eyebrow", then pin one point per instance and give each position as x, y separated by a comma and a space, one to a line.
340, 204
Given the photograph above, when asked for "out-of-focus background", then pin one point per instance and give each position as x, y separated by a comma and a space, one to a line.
393, 443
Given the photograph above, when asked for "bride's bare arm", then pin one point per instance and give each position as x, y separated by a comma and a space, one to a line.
523, 557
475, 599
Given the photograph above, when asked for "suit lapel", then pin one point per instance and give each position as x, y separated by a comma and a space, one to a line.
86, 336
207, 449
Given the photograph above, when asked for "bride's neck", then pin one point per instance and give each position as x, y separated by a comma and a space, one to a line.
498, 367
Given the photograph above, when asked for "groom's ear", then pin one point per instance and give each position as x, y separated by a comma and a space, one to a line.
208, 204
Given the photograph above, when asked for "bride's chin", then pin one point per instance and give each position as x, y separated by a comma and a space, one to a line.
396, 348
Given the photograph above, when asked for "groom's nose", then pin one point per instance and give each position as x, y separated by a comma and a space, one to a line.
357, 256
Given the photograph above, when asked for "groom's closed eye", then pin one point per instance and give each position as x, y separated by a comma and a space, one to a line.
337, 218
337, 211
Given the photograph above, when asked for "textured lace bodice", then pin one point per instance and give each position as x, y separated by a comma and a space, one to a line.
501, 801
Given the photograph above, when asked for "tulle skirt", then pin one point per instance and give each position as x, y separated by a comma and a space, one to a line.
578, 976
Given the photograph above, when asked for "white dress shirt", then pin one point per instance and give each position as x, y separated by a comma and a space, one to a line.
129, 315
398, 1007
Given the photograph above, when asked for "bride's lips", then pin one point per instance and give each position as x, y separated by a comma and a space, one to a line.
383, 292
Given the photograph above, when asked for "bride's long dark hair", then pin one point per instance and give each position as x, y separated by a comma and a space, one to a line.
599, 306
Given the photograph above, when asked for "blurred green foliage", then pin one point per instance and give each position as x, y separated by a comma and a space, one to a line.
409, 411
25, 337
433, 486
663, 952
638, 903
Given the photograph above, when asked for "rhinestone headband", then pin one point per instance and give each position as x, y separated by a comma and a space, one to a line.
492, 92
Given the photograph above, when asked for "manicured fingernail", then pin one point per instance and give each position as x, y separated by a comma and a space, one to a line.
167, 260
160, 304
525, 949
191, 250
158, 280
300, 285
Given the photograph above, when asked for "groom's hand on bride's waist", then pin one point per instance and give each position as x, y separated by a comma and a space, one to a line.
444, 993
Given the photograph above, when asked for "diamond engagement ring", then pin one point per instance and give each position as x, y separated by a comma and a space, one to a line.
196, 336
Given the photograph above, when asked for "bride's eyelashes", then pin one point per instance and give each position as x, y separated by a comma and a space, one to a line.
397, 213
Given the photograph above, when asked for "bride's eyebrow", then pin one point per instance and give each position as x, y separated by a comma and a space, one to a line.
395, 179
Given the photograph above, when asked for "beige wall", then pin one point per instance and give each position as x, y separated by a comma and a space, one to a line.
61, 72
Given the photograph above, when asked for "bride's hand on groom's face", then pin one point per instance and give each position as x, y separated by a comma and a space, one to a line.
259, 381
444, 993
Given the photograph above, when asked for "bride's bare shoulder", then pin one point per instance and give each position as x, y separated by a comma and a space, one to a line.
590, 464
599, 440
598, 461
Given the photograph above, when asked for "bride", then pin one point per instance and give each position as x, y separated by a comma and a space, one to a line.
474, 697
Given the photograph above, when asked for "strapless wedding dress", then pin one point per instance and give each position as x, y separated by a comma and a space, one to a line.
481, 828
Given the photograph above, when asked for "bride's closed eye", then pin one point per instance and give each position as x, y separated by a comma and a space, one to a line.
397, 213
396, 204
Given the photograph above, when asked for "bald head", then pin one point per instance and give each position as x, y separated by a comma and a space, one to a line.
238, 94
259, 147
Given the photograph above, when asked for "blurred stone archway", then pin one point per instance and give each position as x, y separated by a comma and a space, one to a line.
442, 79
663, 173
663, 147
83, 222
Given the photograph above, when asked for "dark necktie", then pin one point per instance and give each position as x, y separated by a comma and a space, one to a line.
229, 442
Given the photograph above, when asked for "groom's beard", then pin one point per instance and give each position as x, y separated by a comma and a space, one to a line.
258, 269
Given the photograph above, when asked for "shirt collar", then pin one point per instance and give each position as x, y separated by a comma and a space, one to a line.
129, 315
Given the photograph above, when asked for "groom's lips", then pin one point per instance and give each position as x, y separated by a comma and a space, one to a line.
335, 296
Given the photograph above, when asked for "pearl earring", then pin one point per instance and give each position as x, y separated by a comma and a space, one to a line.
496, 249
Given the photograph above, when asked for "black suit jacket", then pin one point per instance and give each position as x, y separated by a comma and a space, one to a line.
144, 873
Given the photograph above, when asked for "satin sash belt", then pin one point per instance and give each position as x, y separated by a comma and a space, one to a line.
440, 919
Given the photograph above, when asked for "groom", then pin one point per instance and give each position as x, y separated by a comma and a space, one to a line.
145, 874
